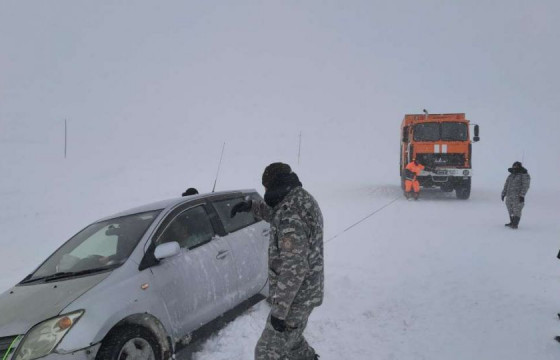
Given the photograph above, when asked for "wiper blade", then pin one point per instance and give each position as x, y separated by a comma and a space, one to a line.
59, 275
66, 274
26, 279
62, 275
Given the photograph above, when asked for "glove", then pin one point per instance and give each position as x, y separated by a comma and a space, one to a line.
522, 199
278, 324
503, 197
244, 206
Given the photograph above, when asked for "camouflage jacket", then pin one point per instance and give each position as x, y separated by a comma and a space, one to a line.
516, 185
295, 252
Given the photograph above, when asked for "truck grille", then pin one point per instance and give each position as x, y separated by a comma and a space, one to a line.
441, 159
5, 343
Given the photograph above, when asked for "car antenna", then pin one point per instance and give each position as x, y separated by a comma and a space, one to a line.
219, 165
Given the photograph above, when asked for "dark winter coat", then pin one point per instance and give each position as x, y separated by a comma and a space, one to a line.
295, 255
517, 183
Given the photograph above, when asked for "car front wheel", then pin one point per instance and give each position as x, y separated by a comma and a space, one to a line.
128, 343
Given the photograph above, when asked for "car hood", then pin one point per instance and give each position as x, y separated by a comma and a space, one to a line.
24, 306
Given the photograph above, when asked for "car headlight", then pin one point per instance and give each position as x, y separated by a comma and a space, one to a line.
43, 338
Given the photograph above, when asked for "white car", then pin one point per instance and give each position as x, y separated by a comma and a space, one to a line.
138, 284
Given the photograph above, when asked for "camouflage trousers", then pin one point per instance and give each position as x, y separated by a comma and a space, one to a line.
289, 344
514, 206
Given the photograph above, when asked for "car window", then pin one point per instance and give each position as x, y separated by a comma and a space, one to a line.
239, 221
190, 229
101, 244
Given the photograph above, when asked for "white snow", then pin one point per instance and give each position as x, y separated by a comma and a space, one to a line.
152, 90
439, 278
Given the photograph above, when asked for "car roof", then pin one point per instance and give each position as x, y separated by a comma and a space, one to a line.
172, 203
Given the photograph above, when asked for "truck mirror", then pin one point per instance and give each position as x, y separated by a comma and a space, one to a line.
476, 133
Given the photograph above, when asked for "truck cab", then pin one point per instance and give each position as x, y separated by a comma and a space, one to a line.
442, 143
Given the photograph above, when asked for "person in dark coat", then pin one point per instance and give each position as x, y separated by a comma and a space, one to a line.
516, 187
295, 260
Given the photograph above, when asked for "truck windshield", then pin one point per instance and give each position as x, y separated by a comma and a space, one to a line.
426, 132
450, 131
454, 131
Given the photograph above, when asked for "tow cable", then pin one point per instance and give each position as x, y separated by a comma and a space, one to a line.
363, 219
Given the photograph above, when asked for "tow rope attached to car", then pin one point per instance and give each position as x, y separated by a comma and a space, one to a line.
362, 220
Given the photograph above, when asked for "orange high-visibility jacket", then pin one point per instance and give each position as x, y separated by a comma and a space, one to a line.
416, 169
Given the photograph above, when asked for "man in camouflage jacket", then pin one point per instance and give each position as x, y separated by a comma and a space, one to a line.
516, 186
295, 259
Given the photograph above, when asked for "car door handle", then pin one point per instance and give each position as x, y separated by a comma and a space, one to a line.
222, 254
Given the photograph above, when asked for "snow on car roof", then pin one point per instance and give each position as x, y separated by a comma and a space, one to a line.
170, 203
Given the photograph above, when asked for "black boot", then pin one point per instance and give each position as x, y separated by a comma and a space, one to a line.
510, 221
515, 222
416, 196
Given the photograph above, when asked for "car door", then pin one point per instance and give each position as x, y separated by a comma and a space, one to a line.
248, 239
204, 272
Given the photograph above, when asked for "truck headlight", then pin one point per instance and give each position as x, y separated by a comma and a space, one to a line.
43, 338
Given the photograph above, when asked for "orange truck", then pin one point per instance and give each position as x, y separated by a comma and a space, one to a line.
442, 143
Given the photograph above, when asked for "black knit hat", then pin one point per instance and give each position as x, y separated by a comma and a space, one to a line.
516, 164
272, 171
190, 191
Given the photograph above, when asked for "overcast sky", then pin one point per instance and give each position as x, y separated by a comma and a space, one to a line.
170, 81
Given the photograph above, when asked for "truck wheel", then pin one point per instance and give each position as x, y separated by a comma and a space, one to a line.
400, 161
463, 190
130, 342
446, 187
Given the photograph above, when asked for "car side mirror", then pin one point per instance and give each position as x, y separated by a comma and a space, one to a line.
476, 133
167, 250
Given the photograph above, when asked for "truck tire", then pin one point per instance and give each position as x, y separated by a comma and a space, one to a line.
130, 342
446, 187
463, 190
400, 162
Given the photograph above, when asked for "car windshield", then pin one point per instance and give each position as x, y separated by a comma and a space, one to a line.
454, 131
100, 246
426, 132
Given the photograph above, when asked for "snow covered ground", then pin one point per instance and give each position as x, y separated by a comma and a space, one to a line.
435, 279
152, 90
438, 278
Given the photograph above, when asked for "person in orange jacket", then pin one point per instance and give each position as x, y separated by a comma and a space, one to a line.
411, 171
